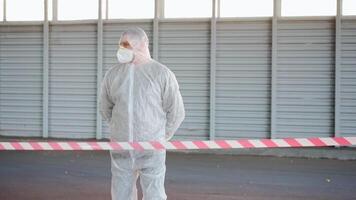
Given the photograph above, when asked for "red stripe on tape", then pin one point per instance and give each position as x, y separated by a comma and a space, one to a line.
115, 146
342, 141
94, 145
157, 145
317, 142
17, 146
136, 146
292, 142
245, 143
200, 144
269, 143
55, 146
74, 145
35, 146
178, 145
223, 144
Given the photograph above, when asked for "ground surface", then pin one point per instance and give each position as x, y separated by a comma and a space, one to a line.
86, 175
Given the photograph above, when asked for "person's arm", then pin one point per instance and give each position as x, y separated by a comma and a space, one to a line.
172, 104
105, 104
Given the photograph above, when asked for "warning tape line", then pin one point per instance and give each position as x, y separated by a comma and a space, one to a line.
181, 145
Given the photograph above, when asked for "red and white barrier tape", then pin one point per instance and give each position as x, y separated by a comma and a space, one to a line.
181, 145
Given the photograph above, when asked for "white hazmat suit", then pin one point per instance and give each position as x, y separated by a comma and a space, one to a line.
141, 101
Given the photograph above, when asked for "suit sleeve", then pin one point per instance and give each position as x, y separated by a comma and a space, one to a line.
172, 104
105, 103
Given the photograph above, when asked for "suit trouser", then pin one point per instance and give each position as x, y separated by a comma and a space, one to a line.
127, 166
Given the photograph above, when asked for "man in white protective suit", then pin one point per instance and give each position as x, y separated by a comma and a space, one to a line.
141, 101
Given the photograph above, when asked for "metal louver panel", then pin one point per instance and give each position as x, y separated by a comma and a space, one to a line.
72, 81
243, 79
305, 78
21, 80
348, 78
184, 48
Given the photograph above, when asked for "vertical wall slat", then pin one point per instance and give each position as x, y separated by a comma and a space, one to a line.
212, 71
45, 71
99, 71
337, 69
54, 10
157, 15
276, 15
4, 10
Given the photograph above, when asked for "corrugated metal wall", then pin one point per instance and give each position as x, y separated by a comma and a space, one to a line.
21, 80
243, 79
72, 81
348, 78
184, 48
305, 76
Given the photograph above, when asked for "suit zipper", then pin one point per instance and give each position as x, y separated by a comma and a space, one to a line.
131, 104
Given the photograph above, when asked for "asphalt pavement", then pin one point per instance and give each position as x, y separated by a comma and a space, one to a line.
85, 175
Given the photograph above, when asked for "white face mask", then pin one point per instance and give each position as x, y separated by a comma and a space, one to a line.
124, 55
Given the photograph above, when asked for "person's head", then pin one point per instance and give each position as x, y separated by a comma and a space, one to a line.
133, 46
